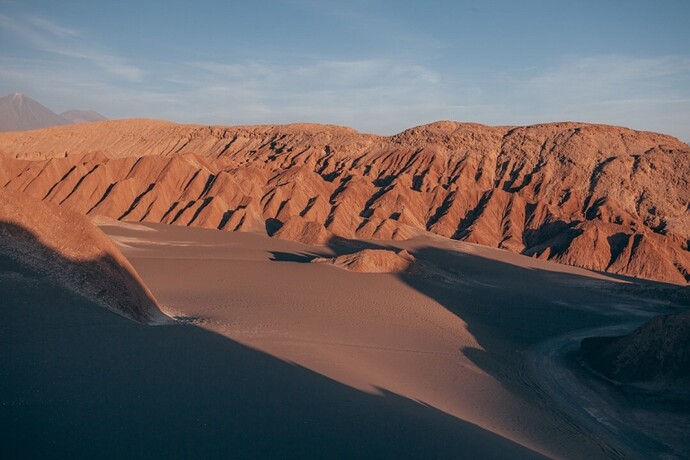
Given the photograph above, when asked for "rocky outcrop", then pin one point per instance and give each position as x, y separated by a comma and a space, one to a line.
658, 351
599, 197
64, 248
371, 261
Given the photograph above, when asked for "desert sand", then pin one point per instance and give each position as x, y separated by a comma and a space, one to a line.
460, 330
463, 354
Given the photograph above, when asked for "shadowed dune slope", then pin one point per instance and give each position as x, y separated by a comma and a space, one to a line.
65, 249
78, 382
658, 351
599, 197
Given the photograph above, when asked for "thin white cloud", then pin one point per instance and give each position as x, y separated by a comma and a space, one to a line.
354, 76
611, 77
641, 92
49, 37
382, 95
330, 91
260, 81
52, 27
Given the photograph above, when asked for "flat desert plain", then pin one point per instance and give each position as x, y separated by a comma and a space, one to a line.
470, 352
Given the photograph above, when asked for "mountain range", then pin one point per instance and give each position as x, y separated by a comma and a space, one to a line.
19, 112
600, 197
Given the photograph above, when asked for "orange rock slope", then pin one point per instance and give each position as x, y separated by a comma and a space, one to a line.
600, 197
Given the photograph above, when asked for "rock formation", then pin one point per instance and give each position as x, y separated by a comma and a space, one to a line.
371, 261
599, 197
64, 248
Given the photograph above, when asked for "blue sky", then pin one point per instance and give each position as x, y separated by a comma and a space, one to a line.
378, 66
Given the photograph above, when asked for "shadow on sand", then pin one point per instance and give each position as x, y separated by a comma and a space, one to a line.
77, 381
510, 309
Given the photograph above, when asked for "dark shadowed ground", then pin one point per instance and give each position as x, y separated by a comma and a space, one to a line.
77, 381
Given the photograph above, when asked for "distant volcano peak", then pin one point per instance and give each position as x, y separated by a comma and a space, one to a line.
19, 112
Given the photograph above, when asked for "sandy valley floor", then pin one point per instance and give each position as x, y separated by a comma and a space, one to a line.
461, 357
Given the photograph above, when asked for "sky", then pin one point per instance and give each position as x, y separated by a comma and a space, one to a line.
378, 66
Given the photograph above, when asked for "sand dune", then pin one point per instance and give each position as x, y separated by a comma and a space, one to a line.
598, 197
80, 382
64, 248
457, 333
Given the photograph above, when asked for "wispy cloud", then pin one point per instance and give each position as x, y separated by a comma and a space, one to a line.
371, 93
49, 37
353, 75
611, 77
51, 27
253, 91
648, 93
641, 92
332, 91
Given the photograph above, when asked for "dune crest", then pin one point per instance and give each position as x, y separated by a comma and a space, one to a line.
64, 248
599, 197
